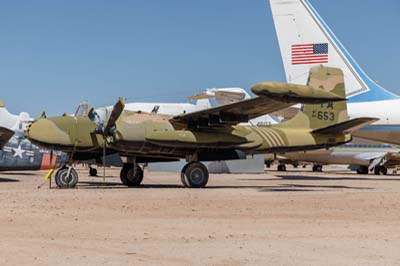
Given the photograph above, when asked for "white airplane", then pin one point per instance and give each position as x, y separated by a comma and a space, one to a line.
306, 40
13, 122
362, 157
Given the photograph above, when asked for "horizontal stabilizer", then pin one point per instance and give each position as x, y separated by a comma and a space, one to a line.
5, 135
346, 126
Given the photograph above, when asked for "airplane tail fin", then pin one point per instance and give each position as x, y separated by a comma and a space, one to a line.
315, 116
306, 40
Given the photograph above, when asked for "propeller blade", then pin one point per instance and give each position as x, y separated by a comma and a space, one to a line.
115, 114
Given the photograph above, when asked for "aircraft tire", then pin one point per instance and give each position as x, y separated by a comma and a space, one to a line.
183, 177
383, 170
362, 170
92, 171
64, 181
317, 168
195, 174
380, 170
282, 168
268, 163
135, 179
128, 178
124, 175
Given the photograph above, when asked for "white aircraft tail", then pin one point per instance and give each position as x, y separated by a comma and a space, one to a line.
11, 121
305, 40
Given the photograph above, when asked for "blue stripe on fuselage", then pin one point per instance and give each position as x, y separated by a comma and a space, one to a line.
376, 92
381, 128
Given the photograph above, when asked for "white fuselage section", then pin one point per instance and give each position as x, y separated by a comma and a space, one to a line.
387, 128
387, 111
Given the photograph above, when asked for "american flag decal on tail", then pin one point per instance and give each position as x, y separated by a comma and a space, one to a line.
311, 53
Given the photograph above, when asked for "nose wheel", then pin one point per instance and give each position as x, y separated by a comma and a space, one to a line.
66, 177
194, 175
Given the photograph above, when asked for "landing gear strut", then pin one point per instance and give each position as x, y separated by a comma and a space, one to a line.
66, 177
131, 176
194, 175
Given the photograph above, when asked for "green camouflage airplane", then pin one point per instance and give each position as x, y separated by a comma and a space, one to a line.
206, 135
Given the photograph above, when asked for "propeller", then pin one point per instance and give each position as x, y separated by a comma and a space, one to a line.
110, 128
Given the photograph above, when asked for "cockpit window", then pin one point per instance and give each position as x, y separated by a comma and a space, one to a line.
83, 109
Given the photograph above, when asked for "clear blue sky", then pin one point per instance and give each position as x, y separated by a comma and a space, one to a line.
55, 53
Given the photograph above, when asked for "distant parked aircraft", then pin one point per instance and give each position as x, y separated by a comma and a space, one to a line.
17, 152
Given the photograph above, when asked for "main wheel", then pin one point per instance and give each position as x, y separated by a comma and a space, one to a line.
135, 176
129, 177
362, 170
194, 175
183, 177
268, 163
66, 178
317, 168
380, 170
282, 168
124, 174
92, 171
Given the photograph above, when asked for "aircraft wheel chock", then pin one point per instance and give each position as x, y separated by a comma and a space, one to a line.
195, 175
66, 178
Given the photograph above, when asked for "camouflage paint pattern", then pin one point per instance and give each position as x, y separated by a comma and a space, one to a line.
153, 135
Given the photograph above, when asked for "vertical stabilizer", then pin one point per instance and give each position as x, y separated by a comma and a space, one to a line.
323, 115
305, 40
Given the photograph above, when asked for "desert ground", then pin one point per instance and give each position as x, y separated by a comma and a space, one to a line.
292, 218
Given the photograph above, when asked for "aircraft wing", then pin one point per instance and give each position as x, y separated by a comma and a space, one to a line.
5, 135
272, 97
